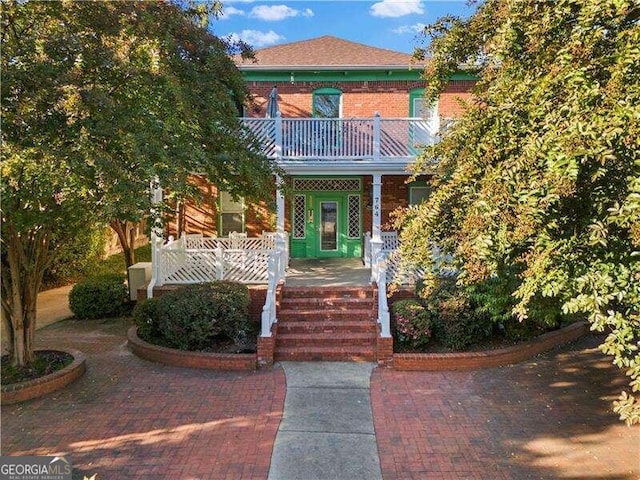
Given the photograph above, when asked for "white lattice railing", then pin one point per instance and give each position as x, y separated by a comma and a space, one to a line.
198, 259
340, 138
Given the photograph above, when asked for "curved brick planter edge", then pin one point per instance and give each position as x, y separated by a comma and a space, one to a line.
181, 358
489, 358
20, 392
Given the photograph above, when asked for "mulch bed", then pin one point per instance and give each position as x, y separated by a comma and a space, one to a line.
45, 363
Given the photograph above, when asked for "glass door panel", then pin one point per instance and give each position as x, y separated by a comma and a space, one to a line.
329, 226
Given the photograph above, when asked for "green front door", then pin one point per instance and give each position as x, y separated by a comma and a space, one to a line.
326, 224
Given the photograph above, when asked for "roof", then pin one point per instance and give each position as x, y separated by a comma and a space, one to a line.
325, 52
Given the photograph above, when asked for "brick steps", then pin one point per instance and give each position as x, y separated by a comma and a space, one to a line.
314, 340
326, 324
327, 292
326, 314
346, 303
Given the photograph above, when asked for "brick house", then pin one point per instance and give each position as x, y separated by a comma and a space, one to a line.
351, 118
333, 96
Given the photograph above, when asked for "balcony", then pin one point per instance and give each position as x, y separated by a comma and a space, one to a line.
339, 144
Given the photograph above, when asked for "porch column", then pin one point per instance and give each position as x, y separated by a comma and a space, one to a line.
279, 207
156, 235
281, 236
376, 237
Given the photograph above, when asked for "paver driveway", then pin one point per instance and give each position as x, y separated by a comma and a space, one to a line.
549, 417
132, 419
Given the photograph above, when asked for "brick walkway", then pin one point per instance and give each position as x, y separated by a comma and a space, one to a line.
129, 418
549, 417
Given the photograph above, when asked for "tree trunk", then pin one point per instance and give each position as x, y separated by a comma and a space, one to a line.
26, 259
126, 236
181, 219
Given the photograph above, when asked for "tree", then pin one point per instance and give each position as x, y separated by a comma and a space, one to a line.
538, 183
98, 98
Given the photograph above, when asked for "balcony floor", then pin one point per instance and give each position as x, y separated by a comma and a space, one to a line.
327, 272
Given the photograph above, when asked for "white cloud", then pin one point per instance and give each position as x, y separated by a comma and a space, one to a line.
256, 38
415, 29
396, 8
228, 12
274, 13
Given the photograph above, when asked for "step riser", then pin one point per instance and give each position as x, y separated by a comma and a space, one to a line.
324, 357
302, 328
330, 294
335, 303
293, 316
310, 343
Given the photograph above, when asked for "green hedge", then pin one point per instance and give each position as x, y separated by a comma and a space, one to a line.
99, 297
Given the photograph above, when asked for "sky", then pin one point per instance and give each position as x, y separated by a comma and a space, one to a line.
391, 24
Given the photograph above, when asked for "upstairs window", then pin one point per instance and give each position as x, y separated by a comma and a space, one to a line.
231, 214
327, 103
418, 108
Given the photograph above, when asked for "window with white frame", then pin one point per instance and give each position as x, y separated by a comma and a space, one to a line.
231, 214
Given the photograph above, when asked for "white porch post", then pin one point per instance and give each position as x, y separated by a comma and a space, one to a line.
279, 207
376, 137
376, 237
156, 236
278, 136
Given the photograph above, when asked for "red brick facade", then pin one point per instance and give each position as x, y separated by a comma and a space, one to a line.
359, 99
202, 217
391, 99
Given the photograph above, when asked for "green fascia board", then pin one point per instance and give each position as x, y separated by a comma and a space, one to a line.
341, 76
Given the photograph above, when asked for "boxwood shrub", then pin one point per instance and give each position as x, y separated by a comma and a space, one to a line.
99, 297
191, 317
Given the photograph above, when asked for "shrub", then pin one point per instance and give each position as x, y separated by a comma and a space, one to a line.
98, 297
145, 316
458, 322
412, 323
191, 317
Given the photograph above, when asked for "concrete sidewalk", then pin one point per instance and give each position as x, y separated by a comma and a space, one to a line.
52, 306
327, 430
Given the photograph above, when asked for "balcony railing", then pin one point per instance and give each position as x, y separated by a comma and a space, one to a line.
375, 139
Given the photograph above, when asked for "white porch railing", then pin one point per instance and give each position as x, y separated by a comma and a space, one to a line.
374, 138
388, 268
197, 259
276, 272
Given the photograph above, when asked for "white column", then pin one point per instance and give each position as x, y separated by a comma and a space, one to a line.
278, 136
376, 201
376, 238
281, 236
279, 207
376, 137
156, 235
